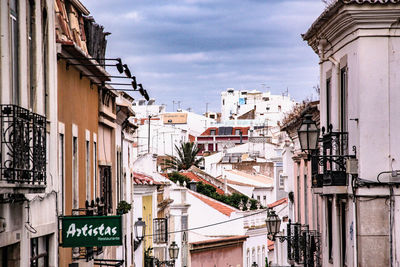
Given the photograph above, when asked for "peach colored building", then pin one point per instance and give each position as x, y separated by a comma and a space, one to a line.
226, 251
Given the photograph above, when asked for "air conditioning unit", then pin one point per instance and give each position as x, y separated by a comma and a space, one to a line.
352, 166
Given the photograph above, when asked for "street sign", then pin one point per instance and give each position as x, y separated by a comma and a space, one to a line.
91, 231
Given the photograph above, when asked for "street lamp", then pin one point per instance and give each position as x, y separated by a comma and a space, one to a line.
308, 134
273, 224
173, 251
140, 230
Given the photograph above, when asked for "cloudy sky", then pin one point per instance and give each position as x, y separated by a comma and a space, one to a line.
191, 50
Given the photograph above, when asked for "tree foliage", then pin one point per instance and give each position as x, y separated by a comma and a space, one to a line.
187, 157
210, 191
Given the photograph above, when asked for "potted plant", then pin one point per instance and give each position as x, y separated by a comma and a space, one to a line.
123, 207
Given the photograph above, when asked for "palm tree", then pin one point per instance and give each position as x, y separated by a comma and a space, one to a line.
187, 157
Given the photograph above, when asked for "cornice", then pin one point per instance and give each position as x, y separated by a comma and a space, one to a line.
371, 1
350, 18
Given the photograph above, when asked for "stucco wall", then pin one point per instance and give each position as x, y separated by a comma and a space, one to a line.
216, 257
72, 92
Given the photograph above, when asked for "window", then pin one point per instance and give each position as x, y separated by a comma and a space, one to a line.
265, 200
31, 58
281, 181
330, 232
160, 229
10, 255
343, 99
212, 132
267, 108
88, 181
61, 170
259, 199
94, 170
223, 101
106, 187
45, 52
40, 251
211, 147
279, 108
297, 202
14, 53
75, 181
119, 176
328, 102
238, 132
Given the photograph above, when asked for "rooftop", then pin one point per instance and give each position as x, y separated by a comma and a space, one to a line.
196, 178
219, 206
333, 9
278, 202
220, 131
248, 179
143, 179
217, 240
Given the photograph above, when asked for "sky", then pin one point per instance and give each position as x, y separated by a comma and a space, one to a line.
192, 50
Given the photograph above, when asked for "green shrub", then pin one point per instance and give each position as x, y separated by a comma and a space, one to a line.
210, 191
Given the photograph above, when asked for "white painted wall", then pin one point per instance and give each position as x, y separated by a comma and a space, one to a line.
269, 108
43, 211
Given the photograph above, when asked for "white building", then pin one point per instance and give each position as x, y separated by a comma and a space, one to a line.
167, 130
28, 168
124, 186
262, 108
144, 110
358, 44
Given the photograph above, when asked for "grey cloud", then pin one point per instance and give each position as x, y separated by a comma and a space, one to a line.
191, 50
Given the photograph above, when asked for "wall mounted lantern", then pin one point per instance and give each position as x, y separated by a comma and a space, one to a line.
308, 134
140, 231
273, 223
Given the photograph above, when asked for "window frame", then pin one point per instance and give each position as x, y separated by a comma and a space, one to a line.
160, 230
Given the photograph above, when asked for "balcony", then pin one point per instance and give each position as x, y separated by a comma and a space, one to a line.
23, 151
329, 161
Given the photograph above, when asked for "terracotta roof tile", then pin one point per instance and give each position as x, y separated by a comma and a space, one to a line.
140, 178
278, 202
196, 178
223, 208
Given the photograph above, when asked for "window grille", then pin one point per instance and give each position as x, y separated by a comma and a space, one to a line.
160, 234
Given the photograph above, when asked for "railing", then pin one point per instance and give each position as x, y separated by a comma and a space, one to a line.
303, 245
23, 146
329, 162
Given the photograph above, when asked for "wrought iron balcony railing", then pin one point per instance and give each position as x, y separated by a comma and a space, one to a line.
329, 161
303, 245
23, 146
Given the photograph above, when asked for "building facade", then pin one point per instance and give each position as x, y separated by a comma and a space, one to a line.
28, 111
262, 108
358, 148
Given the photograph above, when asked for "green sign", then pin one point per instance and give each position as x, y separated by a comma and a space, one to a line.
91, 231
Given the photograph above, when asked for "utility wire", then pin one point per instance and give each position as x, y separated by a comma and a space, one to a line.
213, 224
